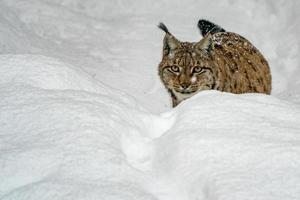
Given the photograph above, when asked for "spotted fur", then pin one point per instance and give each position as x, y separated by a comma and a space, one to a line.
221, 61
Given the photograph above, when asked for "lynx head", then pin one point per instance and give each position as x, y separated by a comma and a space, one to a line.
186, 68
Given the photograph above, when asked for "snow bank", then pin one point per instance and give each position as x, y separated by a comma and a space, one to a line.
226, 146
64, 136
46, 73
59, 139
79, 89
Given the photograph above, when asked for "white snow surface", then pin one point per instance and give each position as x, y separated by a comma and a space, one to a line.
83, 114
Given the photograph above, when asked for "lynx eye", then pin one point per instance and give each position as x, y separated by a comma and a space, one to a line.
197, 69
174, 69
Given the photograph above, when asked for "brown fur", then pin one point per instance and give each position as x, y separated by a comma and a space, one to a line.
223, 61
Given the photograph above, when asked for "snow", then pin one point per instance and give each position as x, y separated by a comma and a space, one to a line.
252, 154
83, 114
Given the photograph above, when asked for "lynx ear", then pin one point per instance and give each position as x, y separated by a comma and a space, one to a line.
170, 42
205, 45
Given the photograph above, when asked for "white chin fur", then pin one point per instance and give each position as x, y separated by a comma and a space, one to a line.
181, 96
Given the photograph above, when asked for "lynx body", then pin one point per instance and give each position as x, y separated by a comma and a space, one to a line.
221, 61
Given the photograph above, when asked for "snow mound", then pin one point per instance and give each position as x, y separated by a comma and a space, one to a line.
226, 146
59, 137
45, 72
64, 138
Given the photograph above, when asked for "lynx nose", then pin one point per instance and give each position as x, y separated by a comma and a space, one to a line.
184, 86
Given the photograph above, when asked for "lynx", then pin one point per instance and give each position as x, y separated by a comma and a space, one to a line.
221, 60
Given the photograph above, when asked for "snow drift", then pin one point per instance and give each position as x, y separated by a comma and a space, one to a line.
82, 118
77, 143
57, 142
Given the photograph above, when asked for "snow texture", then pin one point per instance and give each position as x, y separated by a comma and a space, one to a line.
83, 114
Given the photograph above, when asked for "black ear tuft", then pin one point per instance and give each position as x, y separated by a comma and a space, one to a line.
170, 42
206, 27
163, 27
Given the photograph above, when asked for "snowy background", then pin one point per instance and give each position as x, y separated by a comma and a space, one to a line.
83, 114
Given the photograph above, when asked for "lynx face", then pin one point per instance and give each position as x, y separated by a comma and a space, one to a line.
221, 61
187, 70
